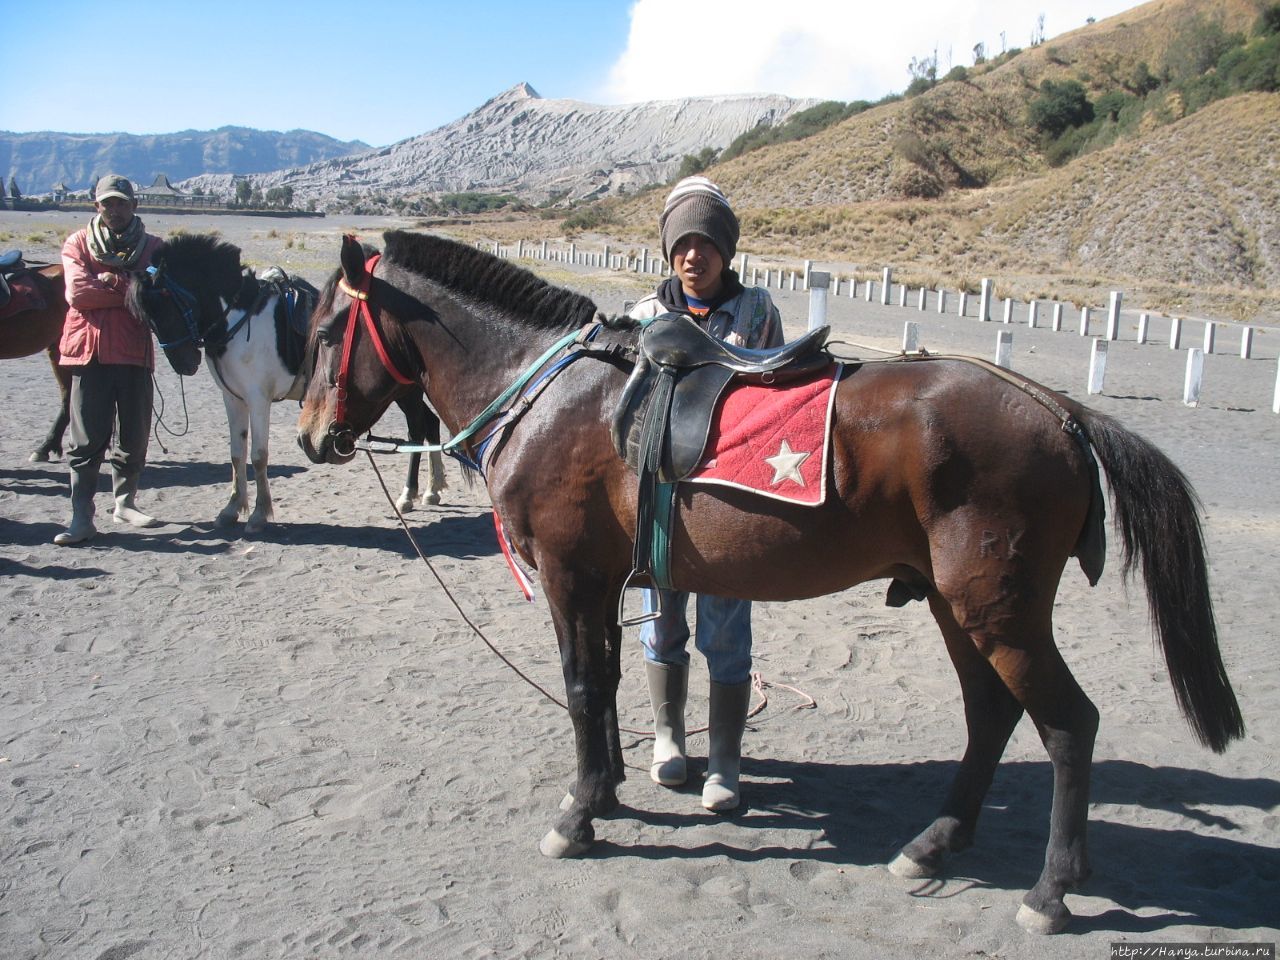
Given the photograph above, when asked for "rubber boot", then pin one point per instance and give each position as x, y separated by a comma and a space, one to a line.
125, 489
727, 716
84, 484
668, 688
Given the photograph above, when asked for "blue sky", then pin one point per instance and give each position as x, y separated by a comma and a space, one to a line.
383, 70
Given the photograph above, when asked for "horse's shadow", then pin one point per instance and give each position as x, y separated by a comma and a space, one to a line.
867, 812
456, 532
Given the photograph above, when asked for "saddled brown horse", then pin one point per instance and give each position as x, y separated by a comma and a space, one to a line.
967, 489
32, 331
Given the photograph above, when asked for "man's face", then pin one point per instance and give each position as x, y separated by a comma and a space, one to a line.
698, 264
116, 212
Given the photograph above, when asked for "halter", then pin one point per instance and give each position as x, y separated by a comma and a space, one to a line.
186, 302
340, 431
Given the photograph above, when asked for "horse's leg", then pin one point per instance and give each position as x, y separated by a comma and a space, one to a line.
435, 461
259, 437
590, 653
991, 713
238, 436
1006, 612
52, 446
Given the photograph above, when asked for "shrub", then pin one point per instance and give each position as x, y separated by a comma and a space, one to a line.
1059, 107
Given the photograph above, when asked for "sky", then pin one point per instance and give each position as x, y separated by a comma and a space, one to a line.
380, 71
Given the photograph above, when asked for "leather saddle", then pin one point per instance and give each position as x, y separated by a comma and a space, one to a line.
663, 419
20, 291
681, 372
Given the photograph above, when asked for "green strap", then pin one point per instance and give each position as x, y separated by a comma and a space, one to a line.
492, 409
664, 496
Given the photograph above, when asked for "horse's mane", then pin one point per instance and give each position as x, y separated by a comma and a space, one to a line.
202, 254
481, 276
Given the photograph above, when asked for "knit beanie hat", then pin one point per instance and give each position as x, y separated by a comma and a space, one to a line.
696, 205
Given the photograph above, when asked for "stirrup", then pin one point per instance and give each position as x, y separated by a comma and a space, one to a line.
644, 617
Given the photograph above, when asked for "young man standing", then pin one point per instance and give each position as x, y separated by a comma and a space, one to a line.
111, 356
699, 234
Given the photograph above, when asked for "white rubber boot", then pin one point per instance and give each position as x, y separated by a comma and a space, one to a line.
727, 716
668, 688
83, 486
125, 489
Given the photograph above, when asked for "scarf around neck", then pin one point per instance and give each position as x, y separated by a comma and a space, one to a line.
671, 293
122, 250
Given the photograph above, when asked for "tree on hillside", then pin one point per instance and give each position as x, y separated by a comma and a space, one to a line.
1059, 107
244, 190
13, 189
695, 163
924, 74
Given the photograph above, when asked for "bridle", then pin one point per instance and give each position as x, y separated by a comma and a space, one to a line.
340, 432
186, 302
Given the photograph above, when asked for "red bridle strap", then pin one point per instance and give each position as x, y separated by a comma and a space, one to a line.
360, 312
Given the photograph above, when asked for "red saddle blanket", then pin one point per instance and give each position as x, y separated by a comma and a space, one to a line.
773, 440
24, 295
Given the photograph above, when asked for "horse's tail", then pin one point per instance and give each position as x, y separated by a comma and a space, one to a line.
1157, 515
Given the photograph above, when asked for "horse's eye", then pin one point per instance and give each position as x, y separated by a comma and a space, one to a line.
324, 333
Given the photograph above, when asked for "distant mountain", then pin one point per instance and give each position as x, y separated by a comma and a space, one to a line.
39, 161
523, 144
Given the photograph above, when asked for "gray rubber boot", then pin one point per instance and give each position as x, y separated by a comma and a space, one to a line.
84, 484
125, 489
727, 716
668, 688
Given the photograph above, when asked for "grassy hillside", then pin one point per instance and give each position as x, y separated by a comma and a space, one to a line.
1181, 208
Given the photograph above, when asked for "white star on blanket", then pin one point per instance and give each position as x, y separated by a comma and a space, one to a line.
786, 464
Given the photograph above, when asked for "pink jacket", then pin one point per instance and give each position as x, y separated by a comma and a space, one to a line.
98, 324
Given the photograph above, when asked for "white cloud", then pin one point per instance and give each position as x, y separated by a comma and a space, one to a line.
832, 49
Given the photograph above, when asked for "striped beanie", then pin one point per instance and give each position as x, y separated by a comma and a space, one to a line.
696, 205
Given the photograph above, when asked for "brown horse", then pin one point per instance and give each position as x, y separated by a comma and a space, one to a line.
31, 331
966, 489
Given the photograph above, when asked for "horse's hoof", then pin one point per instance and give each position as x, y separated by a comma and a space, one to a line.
39, 456
226, 519
567, 802
404, 505
557, 846
433, 499
255, 525
908, 869
1033, 921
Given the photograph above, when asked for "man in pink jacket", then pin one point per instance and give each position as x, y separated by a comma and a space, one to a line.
111, 356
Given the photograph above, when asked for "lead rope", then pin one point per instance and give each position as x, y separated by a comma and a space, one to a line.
758, 683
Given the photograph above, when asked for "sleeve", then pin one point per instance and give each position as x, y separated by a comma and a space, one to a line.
84, 290
774, 336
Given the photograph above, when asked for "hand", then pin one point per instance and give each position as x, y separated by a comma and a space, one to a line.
107, 279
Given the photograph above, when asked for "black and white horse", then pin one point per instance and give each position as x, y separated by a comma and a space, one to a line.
253, 331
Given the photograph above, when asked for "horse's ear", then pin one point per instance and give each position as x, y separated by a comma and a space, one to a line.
352, 260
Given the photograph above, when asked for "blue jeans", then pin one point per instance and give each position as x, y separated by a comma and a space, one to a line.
723, 633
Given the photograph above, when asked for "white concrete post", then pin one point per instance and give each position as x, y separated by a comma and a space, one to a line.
1057, 317
808, 270
644, 259
1195, 374
1004, 348
923, 298
964, 303
1246, 343
1113, 316
604, 257
768, 278
871, 287
754, 277
1084, 321
902, 294
887, 281
497, 250
543, 255
1033, 313
793, 279
1210, 334
573, 253
1097, 365
520, 249
835, 287
853, 287
819, 283
942, 300
1008, 309
1144, 324
1175, 333
742, 270
782, 279
984, 301
911, 337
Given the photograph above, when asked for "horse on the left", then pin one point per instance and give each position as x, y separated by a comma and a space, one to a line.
33, 308
253, 329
